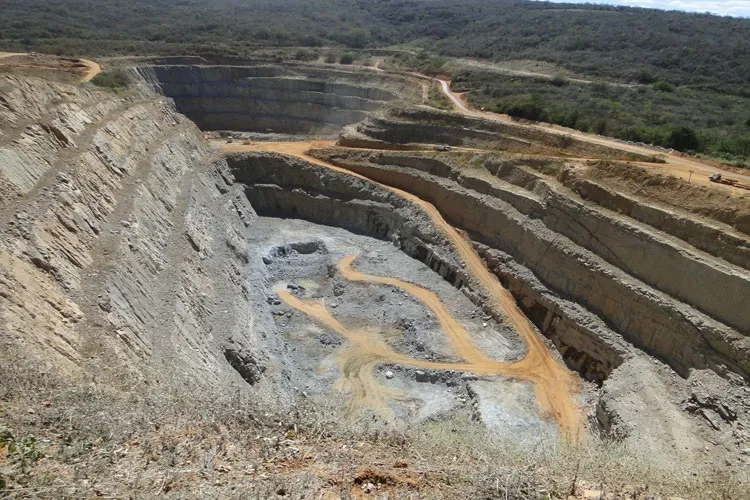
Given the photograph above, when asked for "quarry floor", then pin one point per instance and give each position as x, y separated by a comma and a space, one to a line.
378, 348
554, 385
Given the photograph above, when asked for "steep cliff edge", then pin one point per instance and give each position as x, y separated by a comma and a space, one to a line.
124, 244
283, 99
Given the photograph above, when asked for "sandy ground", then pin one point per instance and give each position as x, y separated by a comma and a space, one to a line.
27, 61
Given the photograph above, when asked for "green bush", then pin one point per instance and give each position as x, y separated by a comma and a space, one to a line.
347, 59
662, 86
559, 81
565, 141
305, 55
683, 139
525, 106
114, 80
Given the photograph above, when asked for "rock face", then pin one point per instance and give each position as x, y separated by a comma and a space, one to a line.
282, 99
128, 247
607, 315
123, 237
413, 127
641, 283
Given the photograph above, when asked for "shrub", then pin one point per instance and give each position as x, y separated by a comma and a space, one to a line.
600, 126
683, 139
644, 76
559, 81
526, 106
305, 55
347, 59
662, 86
114, 80
565, 141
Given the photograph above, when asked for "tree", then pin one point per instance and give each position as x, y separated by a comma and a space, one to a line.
683, 139
662, 86
600, 126
357, 38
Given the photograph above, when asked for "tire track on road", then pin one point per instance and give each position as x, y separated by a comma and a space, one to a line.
554, 384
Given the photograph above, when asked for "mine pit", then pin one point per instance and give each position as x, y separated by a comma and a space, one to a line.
371, 366
490, 224
305, 234
554, 299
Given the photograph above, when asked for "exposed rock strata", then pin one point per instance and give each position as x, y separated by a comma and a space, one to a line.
276, 98
123, 243
543, 233
407, 127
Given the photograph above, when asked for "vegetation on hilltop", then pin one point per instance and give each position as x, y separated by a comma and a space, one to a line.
617, 42
683, 118
691, 71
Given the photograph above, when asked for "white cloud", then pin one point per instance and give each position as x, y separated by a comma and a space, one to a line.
738, 8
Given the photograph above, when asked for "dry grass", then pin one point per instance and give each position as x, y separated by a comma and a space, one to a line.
173, 440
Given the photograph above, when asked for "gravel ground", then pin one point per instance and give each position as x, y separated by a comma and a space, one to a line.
305, 255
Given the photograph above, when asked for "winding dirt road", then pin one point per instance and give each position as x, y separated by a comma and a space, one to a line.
92, 68
693, 170
366, 350
553, 383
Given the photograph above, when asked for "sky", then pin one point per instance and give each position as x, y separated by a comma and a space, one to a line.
737, 8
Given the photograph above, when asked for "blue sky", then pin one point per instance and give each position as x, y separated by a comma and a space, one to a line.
738, 8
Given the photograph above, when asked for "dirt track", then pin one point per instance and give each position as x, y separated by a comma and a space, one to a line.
675, 165
92, 68
554, 384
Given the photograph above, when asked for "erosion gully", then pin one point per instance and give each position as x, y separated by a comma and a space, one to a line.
554, 385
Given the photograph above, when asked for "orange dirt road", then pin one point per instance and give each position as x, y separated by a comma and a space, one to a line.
554, 384
92, 68
365, 350
676, 165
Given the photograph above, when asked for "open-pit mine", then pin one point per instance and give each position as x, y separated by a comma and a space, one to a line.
321, 232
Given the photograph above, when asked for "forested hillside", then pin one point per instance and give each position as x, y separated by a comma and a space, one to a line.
618, 42
688, 71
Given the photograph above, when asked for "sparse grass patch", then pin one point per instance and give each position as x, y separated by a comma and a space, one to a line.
175, 439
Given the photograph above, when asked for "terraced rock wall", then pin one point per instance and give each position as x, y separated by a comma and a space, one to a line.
406, 127
549, 234
283, 186
272, 98
123, 239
